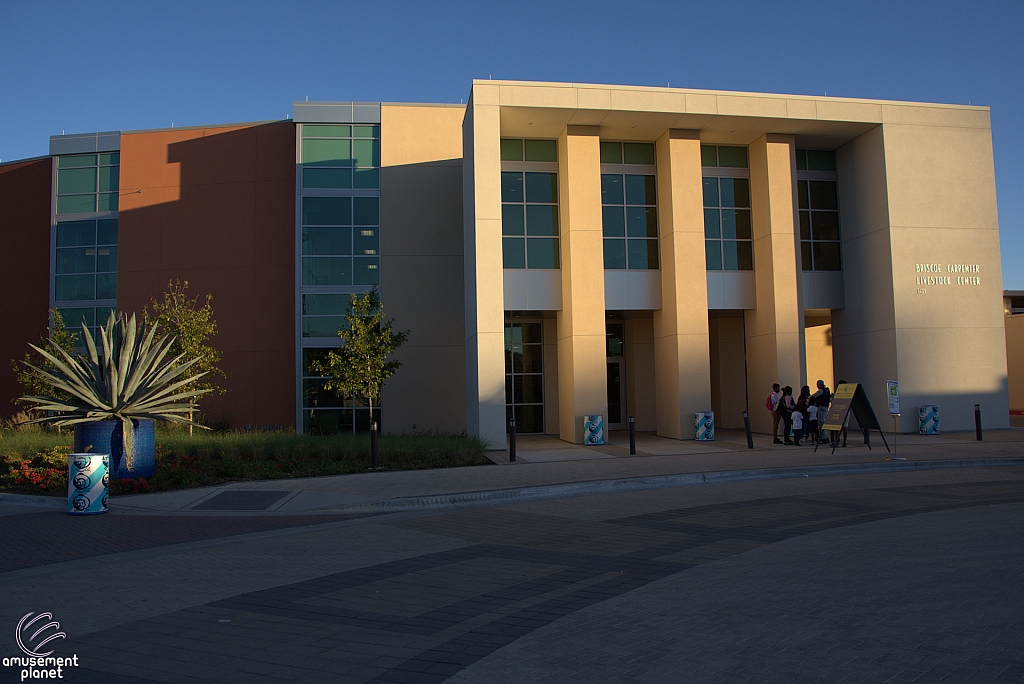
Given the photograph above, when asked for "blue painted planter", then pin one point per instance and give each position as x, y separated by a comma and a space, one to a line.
104, 437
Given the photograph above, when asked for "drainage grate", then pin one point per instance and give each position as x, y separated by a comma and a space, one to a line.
243, 500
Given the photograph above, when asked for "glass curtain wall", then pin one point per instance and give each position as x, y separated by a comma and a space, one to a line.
818, 195
524, 376
529, 204
84, 239
629, 206
728, 244
339, 238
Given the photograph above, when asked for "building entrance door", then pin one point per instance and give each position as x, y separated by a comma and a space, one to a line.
616, 394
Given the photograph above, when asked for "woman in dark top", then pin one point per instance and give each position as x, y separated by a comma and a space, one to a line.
788, 406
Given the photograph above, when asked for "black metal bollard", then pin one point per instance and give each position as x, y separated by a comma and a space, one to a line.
750, 435
632, 436
373, 445
977, 421
512, 441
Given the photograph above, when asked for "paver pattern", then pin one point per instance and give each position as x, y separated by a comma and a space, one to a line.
430, 617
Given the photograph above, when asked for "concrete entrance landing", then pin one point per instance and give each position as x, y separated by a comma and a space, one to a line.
548, 448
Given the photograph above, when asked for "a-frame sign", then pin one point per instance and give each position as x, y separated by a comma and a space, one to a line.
851, 397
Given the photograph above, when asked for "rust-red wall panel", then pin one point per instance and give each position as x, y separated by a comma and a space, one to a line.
217, 208
25, 244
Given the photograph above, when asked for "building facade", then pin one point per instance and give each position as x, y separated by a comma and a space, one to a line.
555, 250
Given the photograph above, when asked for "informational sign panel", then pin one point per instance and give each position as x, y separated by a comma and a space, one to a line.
851, 398
892, 389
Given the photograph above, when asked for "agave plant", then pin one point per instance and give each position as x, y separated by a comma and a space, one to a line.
129, 377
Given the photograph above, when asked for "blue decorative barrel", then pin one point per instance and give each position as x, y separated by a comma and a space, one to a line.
87, 483
104, 437
704, 425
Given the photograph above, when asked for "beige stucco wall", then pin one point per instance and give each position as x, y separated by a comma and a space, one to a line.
818, 340
1015, 360
422, 264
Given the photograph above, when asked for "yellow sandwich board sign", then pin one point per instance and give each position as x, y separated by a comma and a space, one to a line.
852, 397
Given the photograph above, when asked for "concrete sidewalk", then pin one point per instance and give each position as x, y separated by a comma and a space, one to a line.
545, 462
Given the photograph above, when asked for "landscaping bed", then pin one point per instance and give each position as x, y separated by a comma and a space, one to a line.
35, 461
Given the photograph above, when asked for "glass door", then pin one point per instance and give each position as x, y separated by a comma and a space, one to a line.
616, 378
524, 379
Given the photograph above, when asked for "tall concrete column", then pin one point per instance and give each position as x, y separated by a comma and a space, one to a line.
582, 364
774, 330
682, 364
485, 306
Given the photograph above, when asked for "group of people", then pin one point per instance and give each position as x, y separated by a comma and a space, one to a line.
800, 417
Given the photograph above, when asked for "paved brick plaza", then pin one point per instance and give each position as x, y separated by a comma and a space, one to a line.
886, 577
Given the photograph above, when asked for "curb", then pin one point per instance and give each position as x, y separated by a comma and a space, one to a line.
637, 484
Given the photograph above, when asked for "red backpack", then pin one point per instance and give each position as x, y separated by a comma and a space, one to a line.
768, 403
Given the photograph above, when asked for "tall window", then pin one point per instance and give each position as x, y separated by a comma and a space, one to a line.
524, 379
818, 195
323, 411
337, 156
341, 241
529, 204
629, 206
728, 244
87, 183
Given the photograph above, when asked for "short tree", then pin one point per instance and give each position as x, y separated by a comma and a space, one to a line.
59, 337
360, 364
191, 325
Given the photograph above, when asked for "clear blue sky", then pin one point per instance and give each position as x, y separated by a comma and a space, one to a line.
98, 66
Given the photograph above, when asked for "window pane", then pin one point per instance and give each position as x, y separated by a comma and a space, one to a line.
611, 188
76, 233
801, 160
713, 255
528, 360
734, 157
637, 254
74, 204
745, 256
106, 259
512, 186
541, 219
823, 195
636, 221
322, 326
325, 304
805, 225
801, 194
735, 192
74, 318
70, 181
366, 270
366, 153
512, 221
74, 287
78, 160
805, 256
327, 152
729, 223
529, 389
309, 356
327, 271
708, 155
613, 221
106, 233
541, 150
711, 192
615, 254
366, 211
529, 419
107, 202
513, 253
531, 333
821, 160
729, 256
314, 394
327, 178
611, 153
327, 211
743, 227
366, 131
106, 286
511, 149
541, 187
366, 178
366, 242
652, 252
326, 240
638, 153
108, 178
826, 256
640, 190
825, 225
712, 223
542, 252
309, 131
76, 260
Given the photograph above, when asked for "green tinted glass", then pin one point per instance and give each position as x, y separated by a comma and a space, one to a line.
327, 271
541, 187
317, 240
513, 252
541, 150
511, 149
638, 153
325, 304
112, 158
107, 202
366, 153
613, 221
611, 153
640, 190
512, 186
69, 288
327, 211
367, 178
711, 192
541, 219
327, 178
365, 242
708, 155
512, 221
713, 255
108, 178
79, 160
106, 259
74, 318
76, 260
542, 252
615, 254
71, 181
712, 223
366, 271
106, 233
801, 165
322, 326
75, 233
611, 188
734, 157
309, 131
821, 160
106, 286
366, 211
642, 254
327, 152
641, 222
366, 131
74, 204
